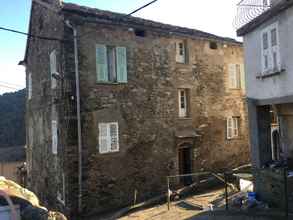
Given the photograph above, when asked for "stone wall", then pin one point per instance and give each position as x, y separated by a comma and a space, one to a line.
146, 109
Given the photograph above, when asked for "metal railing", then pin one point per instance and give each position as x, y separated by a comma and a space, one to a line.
247, 10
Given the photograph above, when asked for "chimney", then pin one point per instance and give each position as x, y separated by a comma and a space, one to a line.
49, 4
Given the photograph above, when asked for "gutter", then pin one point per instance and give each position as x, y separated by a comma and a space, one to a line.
77, 85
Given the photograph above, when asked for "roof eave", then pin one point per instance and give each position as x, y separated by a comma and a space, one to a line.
255, 23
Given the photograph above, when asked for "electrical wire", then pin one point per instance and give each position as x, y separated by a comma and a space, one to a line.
30, 35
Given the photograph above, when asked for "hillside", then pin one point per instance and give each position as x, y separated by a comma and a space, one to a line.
12, 123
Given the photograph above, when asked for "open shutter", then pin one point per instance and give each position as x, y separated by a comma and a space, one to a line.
101, 63
242, 72
54, 136
235, 127
229, 128
114, 134
232, 76
103, 138
121, 63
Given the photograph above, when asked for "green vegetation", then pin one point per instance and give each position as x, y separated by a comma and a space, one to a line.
12, 115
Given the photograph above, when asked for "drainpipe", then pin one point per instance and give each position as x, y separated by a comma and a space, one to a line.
78, 117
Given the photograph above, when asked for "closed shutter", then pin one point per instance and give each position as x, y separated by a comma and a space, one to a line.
242, 76
121, 63
101, 63
29, 95
53, 68
103, 138
229, 128
54, 136
114, 134
232, 76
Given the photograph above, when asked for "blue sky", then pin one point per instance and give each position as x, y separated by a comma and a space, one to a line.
208, 15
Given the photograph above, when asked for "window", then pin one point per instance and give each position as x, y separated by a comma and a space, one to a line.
111, 64
29, 89
213, 45
232, 127
270, 50
180, 52
236, 76
108, 137
183, 103
139, 33
53, 69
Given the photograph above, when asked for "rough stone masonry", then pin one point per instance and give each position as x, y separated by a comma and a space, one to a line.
161, 102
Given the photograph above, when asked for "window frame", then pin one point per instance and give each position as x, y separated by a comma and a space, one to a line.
108, 137
183, 112
181, 52
232, 127
114, 72
270, 56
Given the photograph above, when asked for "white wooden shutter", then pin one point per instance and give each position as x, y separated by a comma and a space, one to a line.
53, 68
103, 138
114, 135
29, 90
54, 136
232, 76
275, 50
242, 70
235, 127
229, 128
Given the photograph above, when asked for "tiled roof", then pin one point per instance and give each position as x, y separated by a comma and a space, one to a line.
122, 18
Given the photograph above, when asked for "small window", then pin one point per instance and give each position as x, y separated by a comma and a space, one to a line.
232, 127
213, 45
53, 69
183, 103
180, 52
29, 89
139, 33
108, 137
111, 64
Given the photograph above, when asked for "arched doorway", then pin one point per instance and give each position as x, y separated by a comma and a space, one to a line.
185, 163
275, 144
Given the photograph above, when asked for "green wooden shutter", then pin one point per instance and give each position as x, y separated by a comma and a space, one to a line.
121, 62
101, 62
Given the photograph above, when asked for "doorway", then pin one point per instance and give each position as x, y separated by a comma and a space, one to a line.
185, 164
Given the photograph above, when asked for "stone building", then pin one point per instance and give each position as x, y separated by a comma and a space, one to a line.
155, 100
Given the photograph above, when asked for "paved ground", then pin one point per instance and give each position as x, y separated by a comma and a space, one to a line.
183, 209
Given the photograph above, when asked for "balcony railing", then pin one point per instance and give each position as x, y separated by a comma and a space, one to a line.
247, 10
